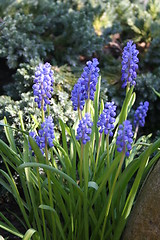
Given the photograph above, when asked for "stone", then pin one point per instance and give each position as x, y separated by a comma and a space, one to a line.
144, 220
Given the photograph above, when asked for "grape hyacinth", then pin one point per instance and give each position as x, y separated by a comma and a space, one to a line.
43, 85
45, 134
125, 137
77, 96
86, 85
129, 64
107, 118
84, 129
89, 78
140, 114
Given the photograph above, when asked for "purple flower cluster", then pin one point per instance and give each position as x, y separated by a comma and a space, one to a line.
86, 85
129, 64
43, 85
45, 134
84, 129
125, 137
107, 118
77, 96
140, 114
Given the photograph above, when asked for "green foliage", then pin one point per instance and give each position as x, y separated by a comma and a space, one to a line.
144, 84
28, 33
23, 80
66, 31
20, 40
152, 56
74, 191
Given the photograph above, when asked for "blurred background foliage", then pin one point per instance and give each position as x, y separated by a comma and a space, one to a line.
67, 33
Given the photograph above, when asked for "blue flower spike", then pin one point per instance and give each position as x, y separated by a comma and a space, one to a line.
43, 85
89, 78
45, 134
140, 114
129, 64
107, 118
77, 96
84, 129
125, 138
86, 86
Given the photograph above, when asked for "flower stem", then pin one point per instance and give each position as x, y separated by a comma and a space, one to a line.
111, 194
135, 134
79, 114
128, 87
107, 143
98, 150
50, 191
42, 109
86, 169
88, 106
41, 202
81, 164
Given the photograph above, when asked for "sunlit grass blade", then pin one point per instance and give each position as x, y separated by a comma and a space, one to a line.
11, 230
9, 135
157, 93
30, 232
7, 221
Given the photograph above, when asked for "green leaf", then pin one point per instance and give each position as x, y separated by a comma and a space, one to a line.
36, 150
11, 154
67, 159
30, 232
50, 168
16, 194
96, 110
9, 229
92, 184
7, 222
64, 140
16, 129
126, 103
76, 143
157, 93
105, 177
143, 158
46, 207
